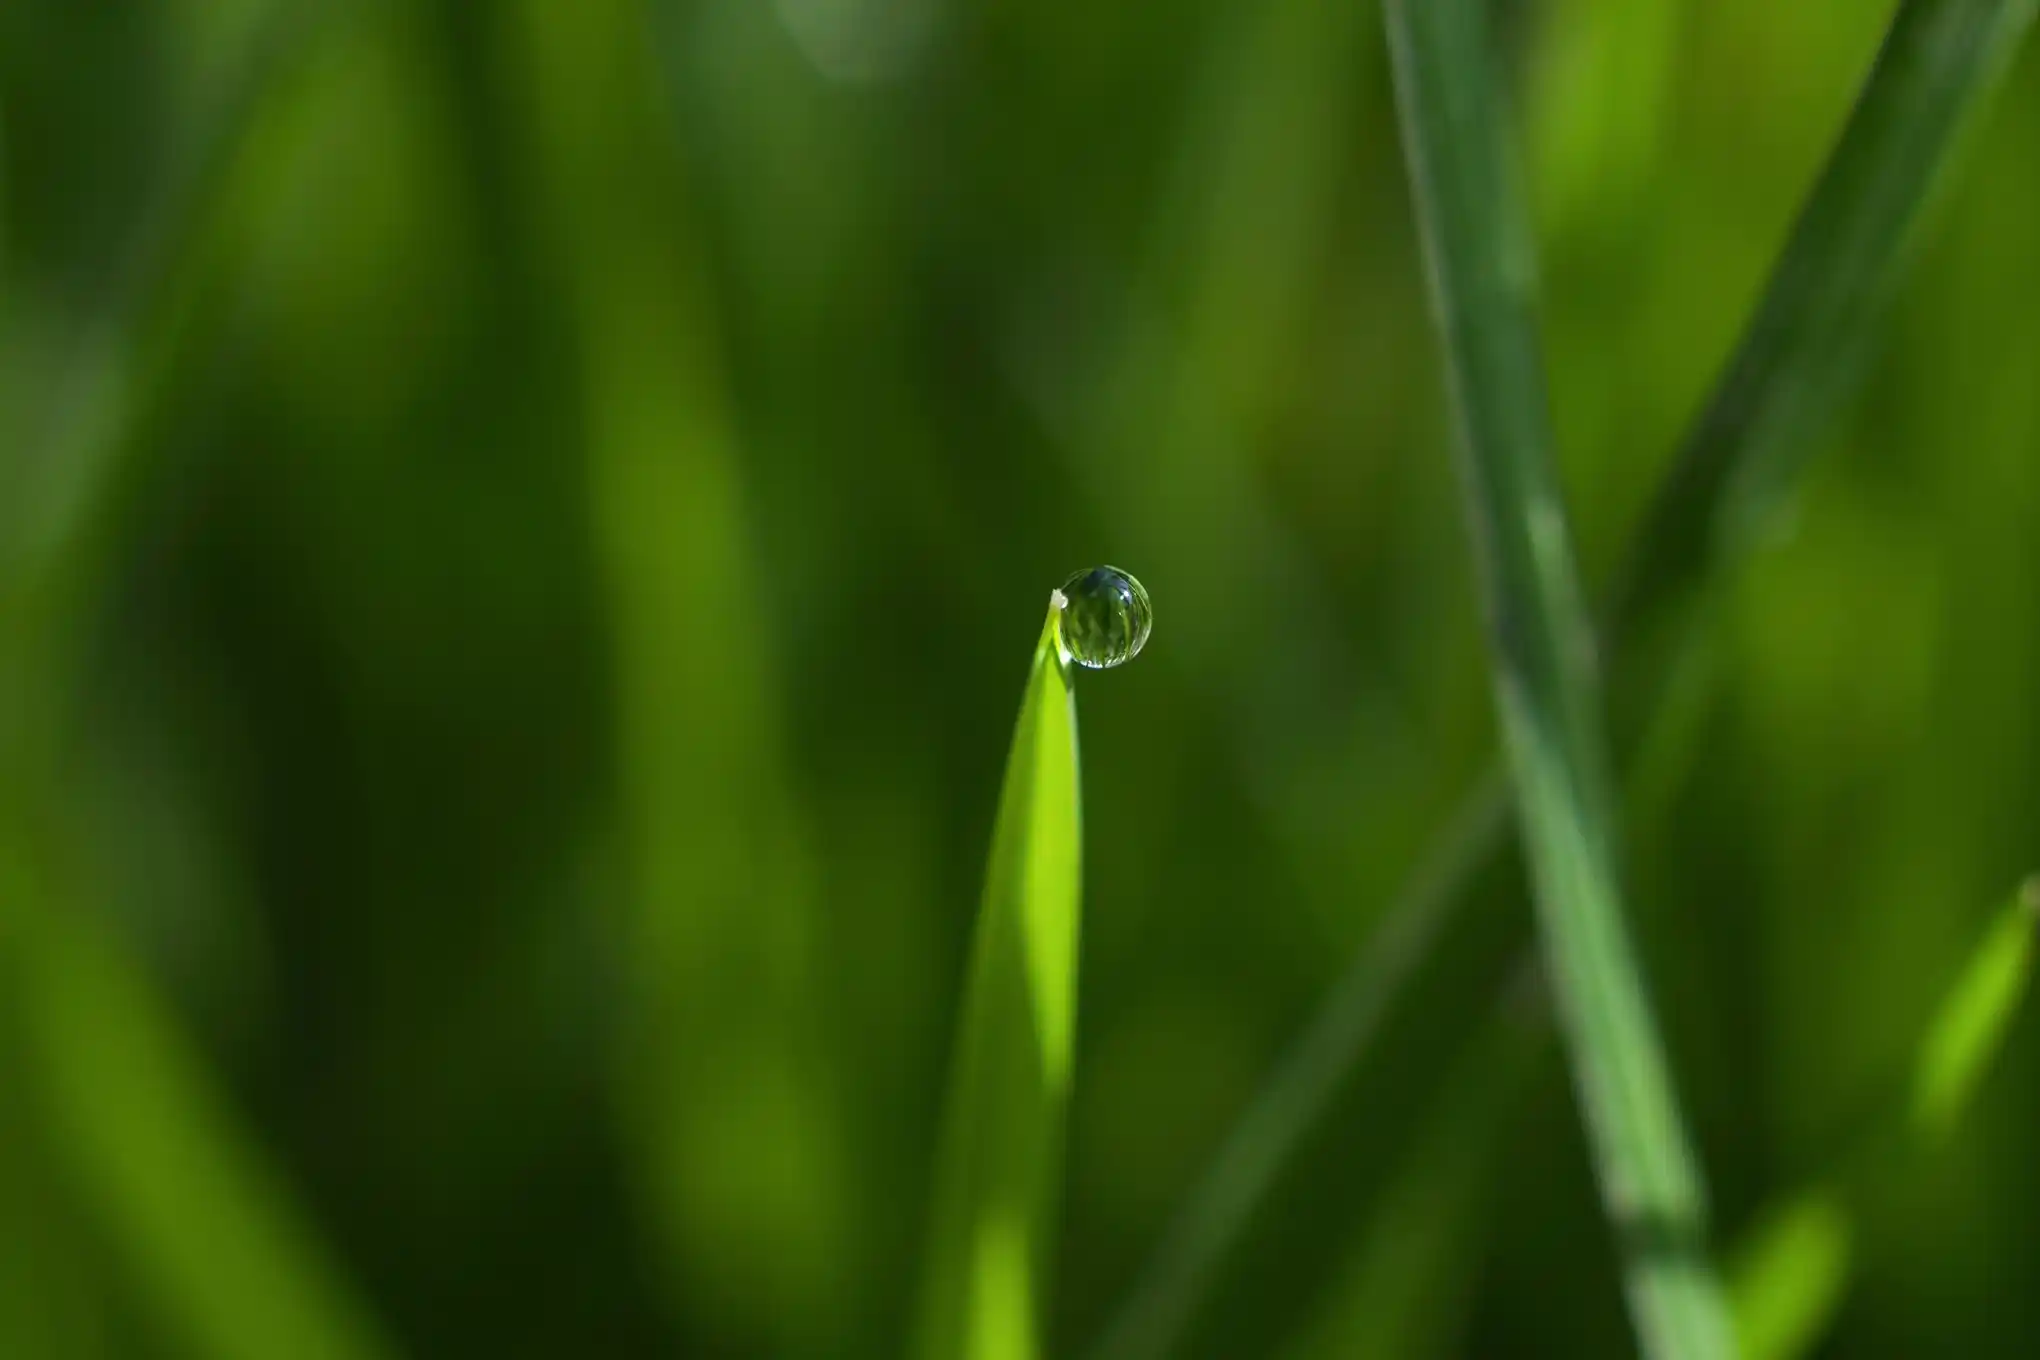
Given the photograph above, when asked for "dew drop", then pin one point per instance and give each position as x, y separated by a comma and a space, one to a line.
1105, 617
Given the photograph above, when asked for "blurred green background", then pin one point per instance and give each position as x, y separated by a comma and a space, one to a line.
521, 530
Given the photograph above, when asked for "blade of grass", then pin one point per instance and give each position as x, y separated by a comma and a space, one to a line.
68, 457
1970, 1026
1298, 1091
148, 1145
734, 1125
206, 1227
1401, 1294
1477, 246
987, 1259
1806, 346
1819, 307
1791, 1272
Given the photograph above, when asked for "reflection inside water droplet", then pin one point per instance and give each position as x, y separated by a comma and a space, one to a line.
1105, 617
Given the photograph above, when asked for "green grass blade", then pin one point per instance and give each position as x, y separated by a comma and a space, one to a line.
87, 421
733, 1122
1302, 1085
208, 1231
1845, 258
1477, 245
987, 1258
1970, 1026
1806, 347
1791, 1274
1402, 1294
149, 1152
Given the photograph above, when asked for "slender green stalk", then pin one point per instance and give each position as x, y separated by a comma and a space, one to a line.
1806, 346
1800, 358
1300, 1089
1971, 1024
1477, 245
987, 1260
1790, 1274
1415, 1260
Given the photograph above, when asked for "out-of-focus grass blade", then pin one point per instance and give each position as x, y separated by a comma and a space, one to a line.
1792, 1272
1297, 1092
1805, 348
1845, 258
729, 1104
1302, 1085
1476, 242
987, 1258
207, 1230
1970, 1026
64, 455
148, 1146
50, 1300
1401, 1295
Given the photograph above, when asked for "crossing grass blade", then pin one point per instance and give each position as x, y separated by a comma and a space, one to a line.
987, 1260
1404, 1290
1299, 1089
1801, 356
1476, 243
1805, 348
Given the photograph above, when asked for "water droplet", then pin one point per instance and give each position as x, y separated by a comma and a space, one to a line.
1105, 617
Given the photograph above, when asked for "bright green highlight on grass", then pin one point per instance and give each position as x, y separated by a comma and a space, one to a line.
1970, 1027
987, 1258
1047, 881
1791, 1274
